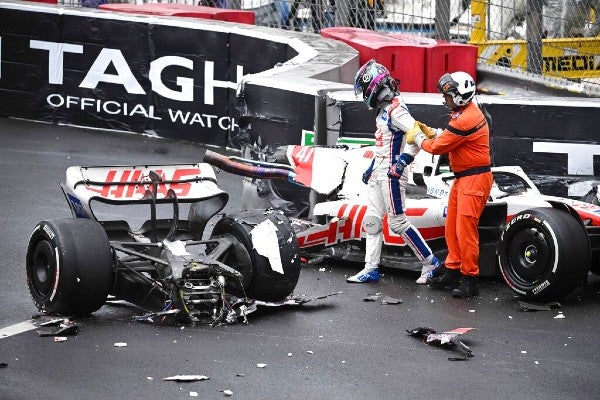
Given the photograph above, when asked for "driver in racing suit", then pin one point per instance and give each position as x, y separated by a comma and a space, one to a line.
386, 177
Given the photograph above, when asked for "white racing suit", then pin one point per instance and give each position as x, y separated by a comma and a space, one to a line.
386, 194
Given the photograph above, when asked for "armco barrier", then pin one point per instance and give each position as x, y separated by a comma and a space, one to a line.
183, 10
404, 60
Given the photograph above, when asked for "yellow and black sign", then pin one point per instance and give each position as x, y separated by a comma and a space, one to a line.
571, 58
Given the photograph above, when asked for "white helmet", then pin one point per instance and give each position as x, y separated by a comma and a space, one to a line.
460, 86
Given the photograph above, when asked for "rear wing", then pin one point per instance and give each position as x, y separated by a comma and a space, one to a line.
136, 184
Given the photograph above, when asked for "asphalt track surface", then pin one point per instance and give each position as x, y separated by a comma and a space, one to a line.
340, 347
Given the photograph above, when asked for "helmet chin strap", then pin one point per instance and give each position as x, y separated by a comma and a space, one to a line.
452, 106
448, 106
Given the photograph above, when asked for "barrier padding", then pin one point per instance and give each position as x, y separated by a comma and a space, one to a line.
418, 62
183, 10
404, 59
442, 57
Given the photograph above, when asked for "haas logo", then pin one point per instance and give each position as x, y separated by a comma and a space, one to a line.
133, 183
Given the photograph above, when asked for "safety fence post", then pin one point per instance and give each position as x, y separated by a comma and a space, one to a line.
534, 35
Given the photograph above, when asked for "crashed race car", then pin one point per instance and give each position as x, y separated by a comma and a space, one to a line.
170, 265
543, 246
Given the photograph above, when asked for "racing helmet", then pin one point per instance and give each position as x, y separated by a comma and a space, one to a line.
370, 80
460, 86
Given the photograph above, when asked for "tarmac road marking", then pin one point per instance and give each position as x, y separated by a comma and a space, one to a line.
17, 328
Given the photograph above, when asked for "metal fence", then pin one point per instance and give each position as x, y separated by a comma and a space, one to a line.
549, 39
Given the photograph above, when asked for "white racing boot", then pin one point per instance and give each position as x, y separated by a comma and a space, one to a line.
425, 272
367, 274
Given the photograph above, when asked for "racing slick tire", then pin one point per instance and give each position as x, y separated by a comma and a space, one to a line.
69, 266
261, 280
544, 254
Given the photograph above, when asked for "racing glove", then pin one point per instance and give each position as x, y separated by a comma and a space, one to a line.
367, 174
412, 132
396, 170
429, 132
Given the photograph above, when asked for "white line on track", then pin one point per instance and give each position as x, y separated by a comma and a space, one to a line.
17, 328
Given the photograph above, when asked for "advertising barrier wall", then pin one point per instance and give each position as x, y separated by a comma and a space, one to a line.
164, 76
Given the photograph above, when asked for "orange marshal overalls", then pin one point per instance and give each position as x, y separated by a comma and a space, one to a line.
466, 139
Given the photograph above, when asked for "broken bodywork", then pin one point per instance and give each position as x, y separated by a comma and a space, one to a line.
170, 266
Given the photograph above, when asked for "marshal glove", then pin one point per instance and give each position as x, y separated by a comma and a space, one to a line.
428, 131
412, 132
